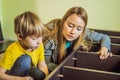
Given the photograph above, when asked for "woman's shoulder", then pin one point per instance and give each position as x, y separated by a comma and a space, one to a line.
50, 43
52, 23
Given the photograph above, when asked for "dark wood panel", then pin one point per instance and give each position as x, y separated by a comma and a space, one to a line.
115, 48
92, 61
74, 73
115, 39
89, 61
1, 34
110, 33
114, 35
56, 74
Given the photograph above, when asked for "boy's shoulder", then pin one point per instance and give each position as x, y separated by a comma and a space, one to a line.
13, 45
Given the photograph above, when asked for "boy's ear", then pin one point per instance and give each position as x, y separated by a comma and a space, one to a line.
19, 36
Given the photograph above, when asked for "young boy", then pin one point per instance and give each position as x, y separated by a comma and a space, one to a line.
24, 59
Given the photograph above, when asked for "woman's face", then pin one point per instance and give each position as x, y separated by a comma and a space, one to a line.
73, 27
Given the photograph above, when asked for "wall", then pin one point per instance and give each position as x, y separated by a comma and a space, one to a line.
0, 10
102, 14
12, 8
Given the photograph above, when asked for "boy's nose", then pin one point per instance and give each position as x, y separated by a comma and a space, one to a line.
39, 40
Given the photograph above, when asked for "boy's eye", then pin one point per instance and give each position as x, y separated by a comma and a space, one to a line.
33, 38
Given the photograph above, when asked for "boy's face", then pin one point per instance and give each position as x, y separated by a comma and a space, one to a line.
31, 42
73, 27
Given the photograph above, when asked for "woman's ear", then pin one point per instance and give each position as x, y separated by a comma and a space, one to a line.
19, 37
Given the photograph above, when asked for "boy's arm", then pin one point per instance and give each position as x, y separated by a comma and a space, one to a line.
4, 76
42, 66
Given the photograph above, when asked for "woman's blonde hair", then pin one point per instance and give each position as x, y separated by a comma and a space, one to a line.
79, 11
28, 24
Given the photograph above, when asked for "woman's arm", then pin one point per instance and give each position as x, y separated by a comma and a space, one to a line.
104, 40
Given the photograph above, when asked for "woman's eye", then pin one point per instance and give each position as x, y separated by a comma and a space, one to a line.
70, 25
79, 28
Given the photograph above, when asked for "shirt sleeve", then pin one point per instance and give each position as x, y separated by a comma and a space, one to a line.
6, 60
41, 56
104, 39
49, 47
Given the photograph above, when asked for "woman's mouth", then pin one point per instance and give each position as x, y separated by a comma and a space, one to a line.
70, 37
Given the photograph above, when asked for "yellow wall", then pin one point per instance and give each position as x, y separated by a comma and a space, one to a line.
102, 14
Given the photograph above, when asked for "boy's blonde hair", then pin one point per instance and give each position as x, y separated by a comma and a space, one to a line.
28, 24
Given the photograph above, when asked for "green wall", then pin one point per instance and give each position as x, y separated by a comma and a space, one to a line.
0, 10
12, 8
102, 14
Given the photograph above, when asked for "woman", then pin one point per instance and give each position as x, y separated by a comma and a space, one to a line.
69, 33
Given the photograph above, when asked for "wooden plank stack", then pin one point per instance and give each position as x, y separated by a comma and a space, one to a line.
80, 65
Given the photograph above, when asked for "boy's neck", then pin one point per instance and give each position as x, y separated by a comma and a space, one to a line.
25, 47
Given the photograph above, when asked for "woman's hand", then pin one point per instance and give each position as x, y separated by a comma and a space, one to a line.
104, 54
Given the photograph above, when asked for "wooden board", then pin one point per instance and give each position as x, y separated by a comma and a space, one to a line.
92, 61
74, 73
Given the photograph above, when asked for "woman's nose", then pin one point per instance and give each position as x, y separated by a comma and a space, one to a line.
73, 31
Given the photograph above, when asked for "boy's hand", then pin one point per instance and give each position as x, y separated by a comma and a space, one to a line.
26, 78
104, 54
